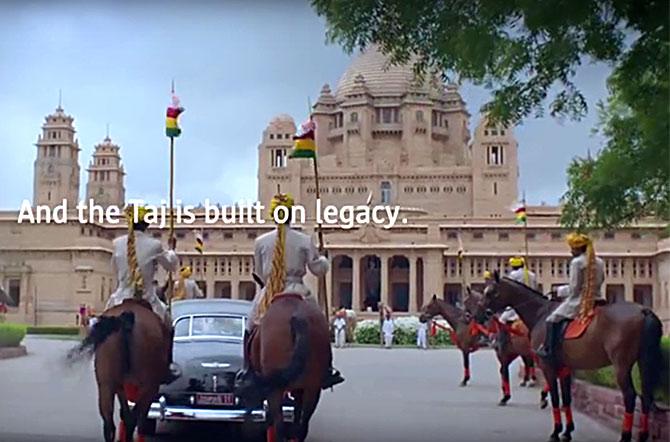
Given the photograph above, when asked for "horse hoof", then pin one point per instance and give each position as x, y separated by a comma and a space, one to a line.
554, 438
643, 437
626, 437
566, 437
523, 384
543, 404
532, 384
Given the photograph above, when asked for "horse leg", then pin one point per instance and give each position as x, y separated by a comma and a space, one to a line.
298, 396
106, 408
275, 401
625, 382
555, 405
526, 372
530, 369
124, 413
543, 395
649, 363
504, 376
566, 398
129, 421
310, 400
142, 409
466, 368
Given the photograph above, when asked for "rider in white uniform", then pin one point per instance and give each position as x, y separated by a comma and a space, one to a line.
587, 274
300, 254
186, 288
150, 253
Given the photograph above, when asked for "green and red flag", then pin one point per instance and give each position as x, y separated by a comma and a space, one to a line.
172, 129
304, 145
520, 213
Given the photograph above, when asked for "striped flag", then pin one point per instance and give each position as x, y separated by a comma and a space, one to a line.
461, 251
199, 242
172, 129
520, 213
304, 145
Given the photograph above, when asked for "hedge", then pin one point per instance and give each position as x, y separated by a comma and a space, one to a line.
605, 376
53, 330
11, 335
367, 332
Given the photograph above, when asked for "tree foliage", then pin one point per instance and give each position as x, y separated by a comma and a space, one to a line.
527, 53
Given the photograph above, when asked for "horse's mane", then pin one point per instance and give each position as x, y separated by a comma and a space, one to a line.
531, 290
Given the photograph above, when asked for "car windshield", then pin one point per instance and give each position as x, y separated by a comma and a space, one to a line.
210, 326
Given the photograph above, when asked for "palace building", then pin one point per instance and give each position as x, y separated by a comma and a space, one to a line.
382, 135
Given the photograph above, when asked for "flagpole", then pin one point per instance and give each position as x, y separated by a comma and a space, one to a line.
525, 240
323, 287
170, 289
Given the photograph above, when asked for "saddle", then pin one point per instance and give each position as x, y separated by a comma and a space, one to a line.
576, 328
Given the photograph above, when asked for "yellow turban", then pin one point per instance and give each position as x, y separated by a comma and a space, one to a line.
185, 271
488, 275
577, 240
281, 199
130, 213
516, 261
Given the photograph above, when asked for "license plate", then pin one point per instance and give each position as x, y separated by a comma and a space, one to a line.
215, 399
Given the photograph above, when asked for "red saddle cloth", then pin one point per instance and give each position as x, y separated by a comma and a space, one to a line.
577, 327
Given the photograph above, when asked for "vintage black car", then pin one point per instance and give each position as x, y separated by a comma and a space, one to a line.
208, 349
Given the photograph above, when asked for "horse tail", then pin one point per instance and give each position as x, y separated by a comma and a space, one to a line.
103, 329
298, 361
650, 357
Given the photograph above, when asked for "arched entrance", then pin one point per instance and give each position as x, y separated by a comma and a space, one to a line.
370, 283
399, 283
453, 293
342, 281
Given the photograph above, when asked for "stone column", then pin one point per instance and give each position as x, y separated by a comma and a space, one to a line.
627, 266
356, 282
235, 288
432, 274
384, 275
412, 285
329, 288
209, 278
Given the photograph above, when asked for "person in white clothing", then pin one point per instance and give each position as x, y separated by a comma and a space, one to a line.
186, 288
387, 330
340, 329
422, 334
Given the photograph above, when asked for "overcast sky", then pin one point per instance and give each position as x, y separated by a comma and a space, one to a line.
236, 65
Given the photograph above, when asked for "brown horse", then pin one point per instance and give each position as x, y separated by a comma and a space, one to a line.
465, 333
515, 345
619, 335
131, 359
289, 352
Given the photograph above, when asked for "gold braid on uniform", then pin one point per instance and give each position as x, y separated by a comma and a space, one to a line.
133, 266
587, 302
277, 280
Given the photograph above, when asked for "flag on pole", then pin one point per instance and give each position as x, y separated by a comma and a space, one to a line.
172, 129
199, 242
304, 145
520, 213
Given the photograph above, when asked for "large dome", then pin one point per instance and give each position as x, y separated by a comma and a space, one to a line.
383, 78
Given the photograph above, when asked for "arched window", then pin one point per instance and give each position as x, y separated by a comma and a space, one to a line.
386, 192
354, 117
419, 116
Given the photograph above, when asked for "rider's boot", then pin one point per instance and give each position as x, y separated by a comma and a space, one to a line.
243, 379
333, 378
174, 371
547, 351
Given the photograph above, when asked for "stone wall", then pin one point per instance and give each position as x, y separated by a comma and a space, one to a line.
606, 406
